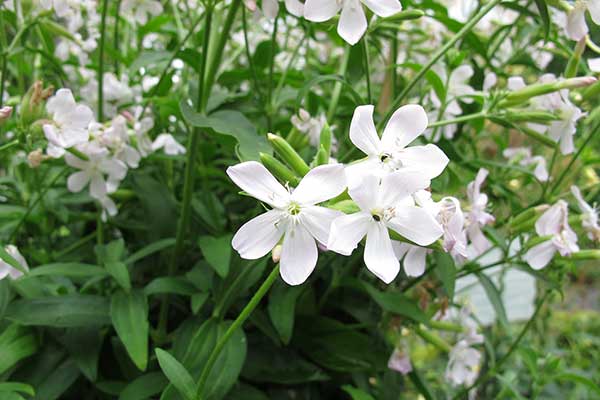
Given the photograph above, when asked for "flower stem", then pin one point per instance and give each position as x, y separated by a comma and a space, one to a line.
337, 90
189, 179
269, 101
101, 61
116, 35
464, 118
367, 62
239, 321
439, 54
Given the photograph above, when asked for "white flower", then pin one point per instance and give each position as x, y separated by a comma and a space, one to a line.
478, 217
169, 144
463, 365
589, 215
116, 138
400, 362
141, 9
554, 222
271, 8
353, 21
294, 216
522, 156
390, 153
594, 64
6, 269
452, 219
576, 26
385, 203
311, 127
93, 172
69, 125
414, 257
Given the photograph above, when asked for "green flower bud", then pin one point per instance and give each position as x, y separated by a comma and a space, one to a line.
288, 154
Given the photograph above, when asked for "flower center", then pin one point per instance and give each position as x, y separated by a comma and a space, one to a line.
294, 208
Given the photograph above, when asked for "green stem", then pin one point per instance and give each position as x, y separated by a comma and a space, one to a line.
464, 118
116, 36
367, 62
394, 71
248, 54
438, 55
4, 56
9, 145
269, 101
239, 321
189, 179
101, 61
337, 90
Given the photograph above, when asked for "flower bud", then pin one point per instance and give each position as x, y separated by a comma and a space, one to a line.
35, 158
276, 253
288, 154
540, 89
33, 103
279, 170
5, 113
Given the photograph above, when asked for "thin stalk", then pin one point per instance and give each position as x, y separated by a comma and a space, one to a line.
269, 101
394, 71
367, 65
116, 35
337, 90
9, 145
464, 118
248, 54
239, 321
101, 61
189, 179
4, 56
289, 66
438, 55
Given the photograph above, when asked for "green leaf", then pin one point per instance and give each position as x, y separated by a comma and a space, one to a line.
170, 285
230, 123
17, 387
177, 374
119, 271
84, 345
357, 394
58, 381
150, 249
545, 15
282, 304
72, 310
398, 303
582, 380
71, 270
144, 387
129, 313
197, 301
4, 296
420, 384
446, 272
217, 252
16, 343
494, 296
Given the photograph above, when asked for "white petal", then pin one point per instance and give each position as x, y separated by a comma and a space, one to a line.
414, 262
295, 7
81, 116
77, 181
576, 25
461, 75
75, 162
61, 102
594, 9
347, 231
317, 220
416, 225
320, 10
400, 185
97, 186
362, 131
550, 222
383, 8
539, 256
320, 184
353, 22
259, 235
430, 160
253, 178
405, 125
298, 256
366, 192
379, 254
270, 8
594, 64
357, 171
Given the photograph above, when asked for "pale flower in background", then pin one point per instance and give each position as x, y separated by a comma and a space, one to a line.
168, 143
311, 127
594, 64
93, 172
589, 215
385, 203
8, 270
353, 21
464, 363
271, 7
391, 152
294, 216
69, 125
478, 217
576, 26
522, 156
555, 223
400, 362
140, 10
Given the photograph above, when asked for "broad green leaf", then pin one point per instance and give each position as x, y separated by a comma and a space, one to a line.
177, 374
72, 270
144, 387
118, 270
4, 296
84, 345
398, 303
16, 343
170, 285
149, 250
582, 380
282, 305
17, 387
446, 272
357, 394
129, 313
494, 296
231, 123
421, 384
72, 310
59, 380
217, 252
197, 301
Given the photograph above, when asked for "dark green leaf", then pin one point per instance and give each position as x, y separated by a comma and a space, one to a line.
357, 394
129, 313
494, 296
177, 374
217, 252
149, 250
144, 387
17, 387
282, 304
446, 272
397, 303
118, 270
73, 270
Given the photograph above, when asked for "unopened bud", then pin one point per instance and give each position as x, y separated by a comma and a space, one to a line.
288, 154
5, 113
35, 158
540, 89
32, 105
276, 253
279, 170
